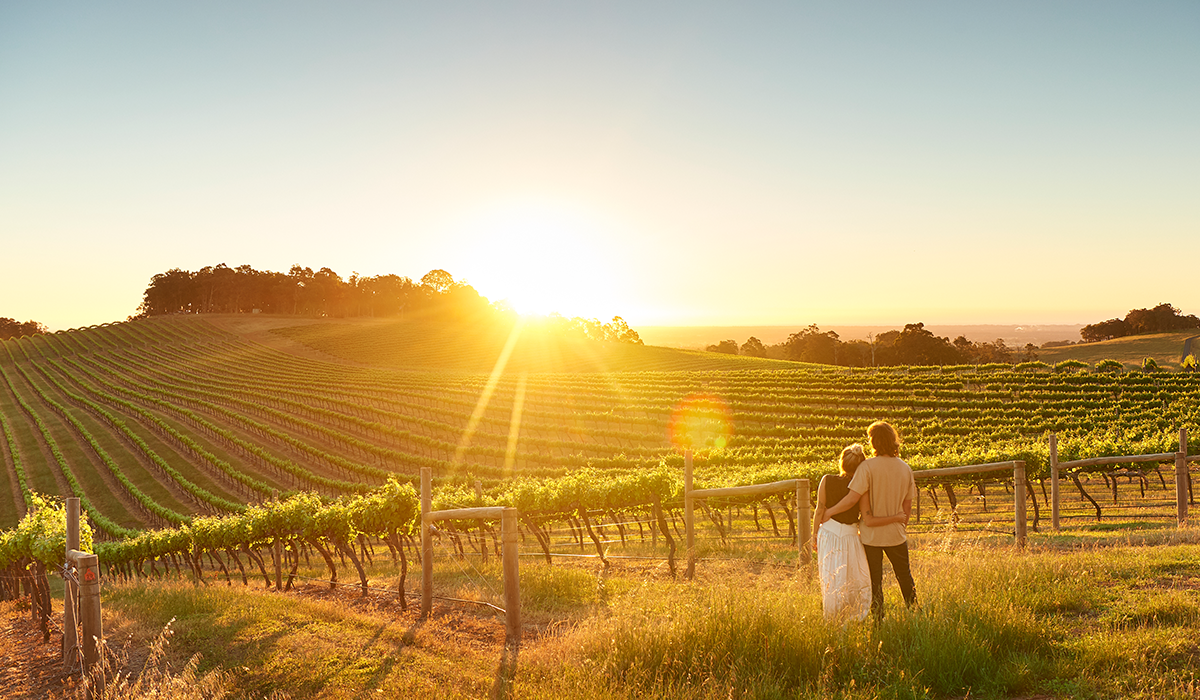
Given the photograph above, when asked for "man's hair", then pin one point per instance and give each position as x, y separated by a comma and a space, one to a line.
852, 456
884, 439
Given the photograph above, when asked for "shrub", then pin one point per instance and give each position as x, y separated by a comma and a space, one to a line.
1067, 365
1150, 365
1109, 366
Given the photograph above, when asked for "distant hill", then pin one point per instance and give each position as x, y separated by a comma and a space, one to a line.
696, 337
430, 345
1165, 348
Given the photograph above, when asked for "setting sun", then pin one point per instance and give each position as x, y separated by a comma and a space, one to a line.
543, 257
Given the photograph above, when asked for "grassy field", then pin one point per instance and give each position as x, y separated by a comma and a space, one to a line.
1119, 617
1165, 348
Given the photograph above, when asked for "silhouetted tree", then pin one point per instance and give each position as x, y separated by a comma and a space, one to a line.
727, 347
1161, 319
1112, 328
10, 328
753, 347
437, 281
811, 345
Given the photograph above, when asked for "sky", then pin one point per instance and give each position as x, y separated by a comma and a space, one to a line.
672, 163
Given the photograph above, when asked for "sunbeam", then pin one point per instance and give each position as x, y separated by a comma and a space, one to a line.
488, 389
514, 426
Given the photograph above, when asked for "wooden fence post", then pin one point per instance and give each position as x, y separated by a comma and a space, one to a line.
1054, 481
276, 551
803, 521
483, 545
1019, 501
426, 544
1181, 479
88, 566
70, 591
512, 577
688, 517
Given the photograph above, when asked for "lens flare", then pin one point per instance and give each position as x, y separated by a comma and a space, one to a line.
700, 421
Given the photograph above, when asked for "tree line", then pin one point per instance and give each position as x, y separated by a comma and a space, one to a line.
11, 328
324, 294
302, 292
1161, 319
915, 345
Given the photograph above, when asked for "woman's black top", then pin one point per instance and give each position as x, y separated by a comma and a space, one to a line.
836, 488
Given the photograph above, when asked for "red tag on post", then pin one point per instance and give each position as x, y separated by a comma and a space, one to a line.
89, 575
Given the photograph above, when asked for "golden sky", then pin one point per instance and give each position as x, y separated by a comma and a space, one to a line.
672, 163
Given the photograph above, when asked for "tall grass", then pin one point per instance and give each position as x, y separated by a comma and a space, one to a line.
991, 623
1098, 622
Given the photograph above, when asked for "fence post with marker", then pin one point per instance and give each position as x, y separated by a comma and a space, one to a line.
88, 566
70, 591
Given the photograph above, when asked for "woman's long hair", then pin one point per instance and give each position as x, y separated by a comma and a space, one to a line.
852, 456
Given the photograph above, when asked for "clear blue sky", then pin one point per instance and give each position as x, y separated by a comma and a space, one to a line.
734, 163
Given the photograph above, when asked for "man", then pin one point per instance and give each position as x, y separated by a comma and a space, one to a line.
889, 481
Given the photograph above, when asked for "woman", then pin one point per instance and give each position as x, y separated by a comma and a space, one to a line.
841, 560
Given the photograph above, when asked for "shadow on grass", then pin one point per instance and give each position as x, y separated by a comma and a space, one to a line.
371, 686
506, 672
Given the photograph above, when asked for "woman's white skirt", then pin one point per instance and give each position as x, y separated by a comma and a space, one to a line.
845, 578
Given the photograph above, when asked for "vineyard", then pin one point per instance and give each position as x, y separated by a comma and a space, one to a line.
180, 435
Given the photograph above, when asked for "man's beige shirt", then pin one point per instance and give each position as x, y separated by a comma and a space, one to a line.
889, 483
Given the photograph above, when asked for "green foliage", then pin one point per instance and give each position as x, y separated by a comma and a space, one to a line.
1068, 365
1189, 363
390, 509
1109, 366
1150, 365
42, 535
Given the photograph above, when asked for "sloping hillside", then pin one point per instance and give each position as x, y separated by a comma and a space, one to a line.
1165, 348
155, 421
422, 344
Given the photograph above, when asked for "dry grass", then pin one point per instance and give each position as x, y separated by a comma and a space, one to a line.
1062, 619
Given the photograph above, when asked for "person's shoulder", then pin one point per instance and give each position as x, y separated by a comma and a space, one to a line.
891, 463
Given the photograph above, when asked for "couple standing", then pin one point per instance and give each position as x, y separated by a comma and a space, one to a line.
850, 550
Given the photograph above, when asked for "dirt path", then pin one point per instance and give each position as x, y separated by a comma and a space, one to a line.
1187, 348
29, 669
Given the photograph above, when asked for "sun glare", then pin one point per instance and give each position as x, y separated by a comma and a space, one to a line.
541, 258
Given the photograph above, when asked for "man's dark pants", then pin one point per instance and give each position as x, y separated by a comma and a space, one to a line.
898, 555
